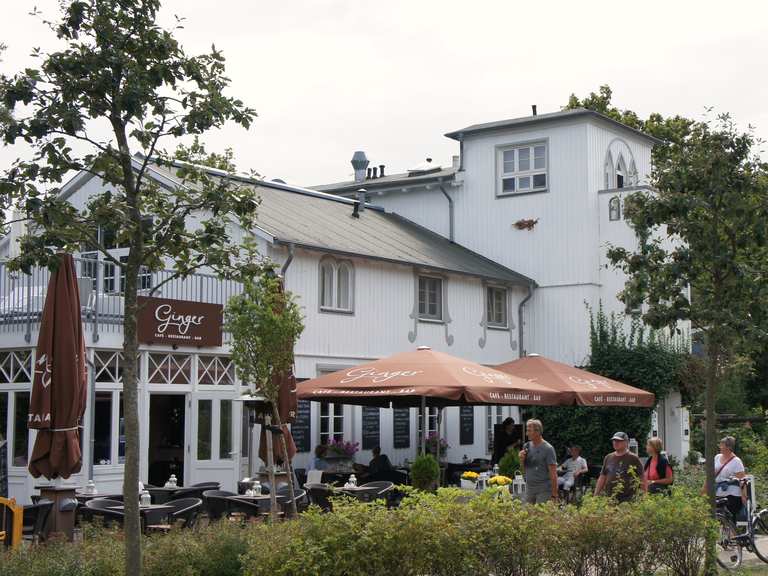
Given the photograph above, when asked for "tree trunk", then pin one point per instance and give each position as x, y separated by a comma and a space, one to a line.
288, 463
132, 521
710, 441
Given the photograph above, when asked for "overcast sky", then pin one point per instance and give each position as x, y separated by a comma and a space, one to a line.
330, 77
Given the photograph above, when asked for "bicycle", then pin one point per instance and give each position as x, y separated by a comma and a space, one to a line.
737, 534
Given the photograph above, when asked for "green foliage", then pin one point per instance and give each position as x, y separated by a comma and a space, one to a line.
425, 472
448, 533
670, 131
643, 358
265, 323
510, 464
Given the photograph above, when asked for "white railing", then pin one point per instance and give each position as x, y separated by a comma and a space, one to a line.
22, 296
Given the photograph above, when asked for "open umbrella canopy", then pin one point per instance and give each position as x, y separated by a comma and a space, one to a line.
577, 386
59, 388
443, 380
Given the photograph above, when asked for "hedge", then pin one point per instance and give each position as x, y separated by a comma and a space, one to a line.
444, 534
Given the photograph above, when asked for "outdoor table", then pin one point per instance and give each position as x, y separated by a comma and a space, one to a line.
83, 497
251, 499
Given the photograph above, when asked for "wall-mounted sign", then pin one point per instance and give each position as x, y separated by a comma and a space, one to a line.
402, 427
301, 429
466, 425
371, 427
180, 322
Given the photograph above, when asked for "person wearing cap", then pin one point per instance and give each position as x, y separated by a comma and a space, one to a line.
574, 467
539, 463
622, 471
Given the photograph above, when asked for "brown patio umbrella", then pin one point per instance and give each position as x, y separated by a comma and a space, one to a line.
407, 378
577, 386
59, 388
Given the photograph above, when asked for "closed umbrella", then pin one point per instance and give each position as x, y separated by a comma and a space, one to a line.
577, 386
59, 387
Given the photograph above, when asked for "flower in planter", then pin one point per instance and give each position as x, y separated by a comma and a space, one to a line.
433, 441
471, 476
341, 449
499, 480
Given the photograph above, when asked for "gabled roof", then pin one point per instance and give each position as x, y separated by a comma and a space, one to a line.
544, 118
314, 220
405, 179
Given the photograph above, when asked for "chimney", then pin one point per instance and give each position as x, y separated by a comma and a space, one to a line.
381, 170
362, 193
359, 163
533, 109
456, 161
368, 177
375, 170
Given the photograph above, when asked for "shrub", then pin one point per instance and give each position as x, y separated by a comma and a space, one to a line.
510, 463
449, 532
425, 472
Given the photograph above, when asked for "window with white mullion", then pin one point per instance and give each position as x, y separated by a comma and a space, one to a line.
430, 298
331, 422
523, 168
496, 302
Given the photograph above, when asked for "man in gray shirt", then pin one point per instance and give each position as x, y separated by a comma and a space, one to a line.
539, 462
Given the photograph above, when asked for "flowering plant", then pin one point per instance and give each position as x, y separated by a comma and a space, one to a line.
471, 476
499, 480
433, 441
340, 448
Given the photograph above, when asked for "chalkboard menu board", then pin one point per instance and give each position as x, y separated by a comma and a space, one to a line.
402, 427
466, 425
301, 427
371, 427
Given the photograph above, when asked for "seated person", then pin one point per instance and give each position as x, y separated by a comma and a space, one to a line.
320, 463
574, 467
379, 463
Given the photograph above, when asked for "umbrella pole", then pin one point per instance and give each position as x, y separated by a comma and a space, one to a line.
92, 415
423, 425
271, 469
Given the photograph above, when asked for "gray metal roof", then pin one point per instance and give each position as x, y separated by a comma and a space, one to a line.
549, 117
315, 220
319, 223
405, 179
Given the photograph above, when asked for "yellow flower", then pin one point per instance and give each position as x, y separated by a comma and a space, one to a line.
469, 475
500, 480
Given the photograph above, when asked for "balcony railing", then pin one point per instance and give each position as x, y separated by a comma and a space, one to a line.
22, 296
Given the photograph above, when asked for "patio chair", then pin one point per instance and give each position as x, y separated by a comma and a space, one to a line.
102, 508
284, 500
217, 503
245, 510
319, 495
314, 477
35, 519
207, 485
183, 511
301, 476
379, 488
191, 492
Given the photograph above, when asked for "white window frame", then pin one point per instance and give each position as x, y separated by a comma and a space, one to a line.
335, 421
335, 268
505, 173
493, 415
432, 421
489, 306
441, 291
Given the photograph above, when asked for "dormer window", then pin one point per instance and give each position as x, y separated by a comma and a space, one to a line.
336, 285
522, 169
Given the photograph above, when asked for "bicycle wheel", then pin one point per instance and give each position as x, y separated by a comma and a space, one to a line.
760, 528
729, 552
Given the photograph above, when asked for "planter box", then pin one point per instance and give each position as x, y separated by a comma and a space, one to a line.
467, 485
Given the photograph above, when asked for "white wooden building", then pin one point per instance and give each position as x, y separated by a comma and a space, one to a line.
436, 258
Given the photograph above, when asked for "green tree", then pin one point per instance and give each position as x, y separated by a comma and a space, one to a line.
702, 250
642, 358
120, 85
265, 323
671, 130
